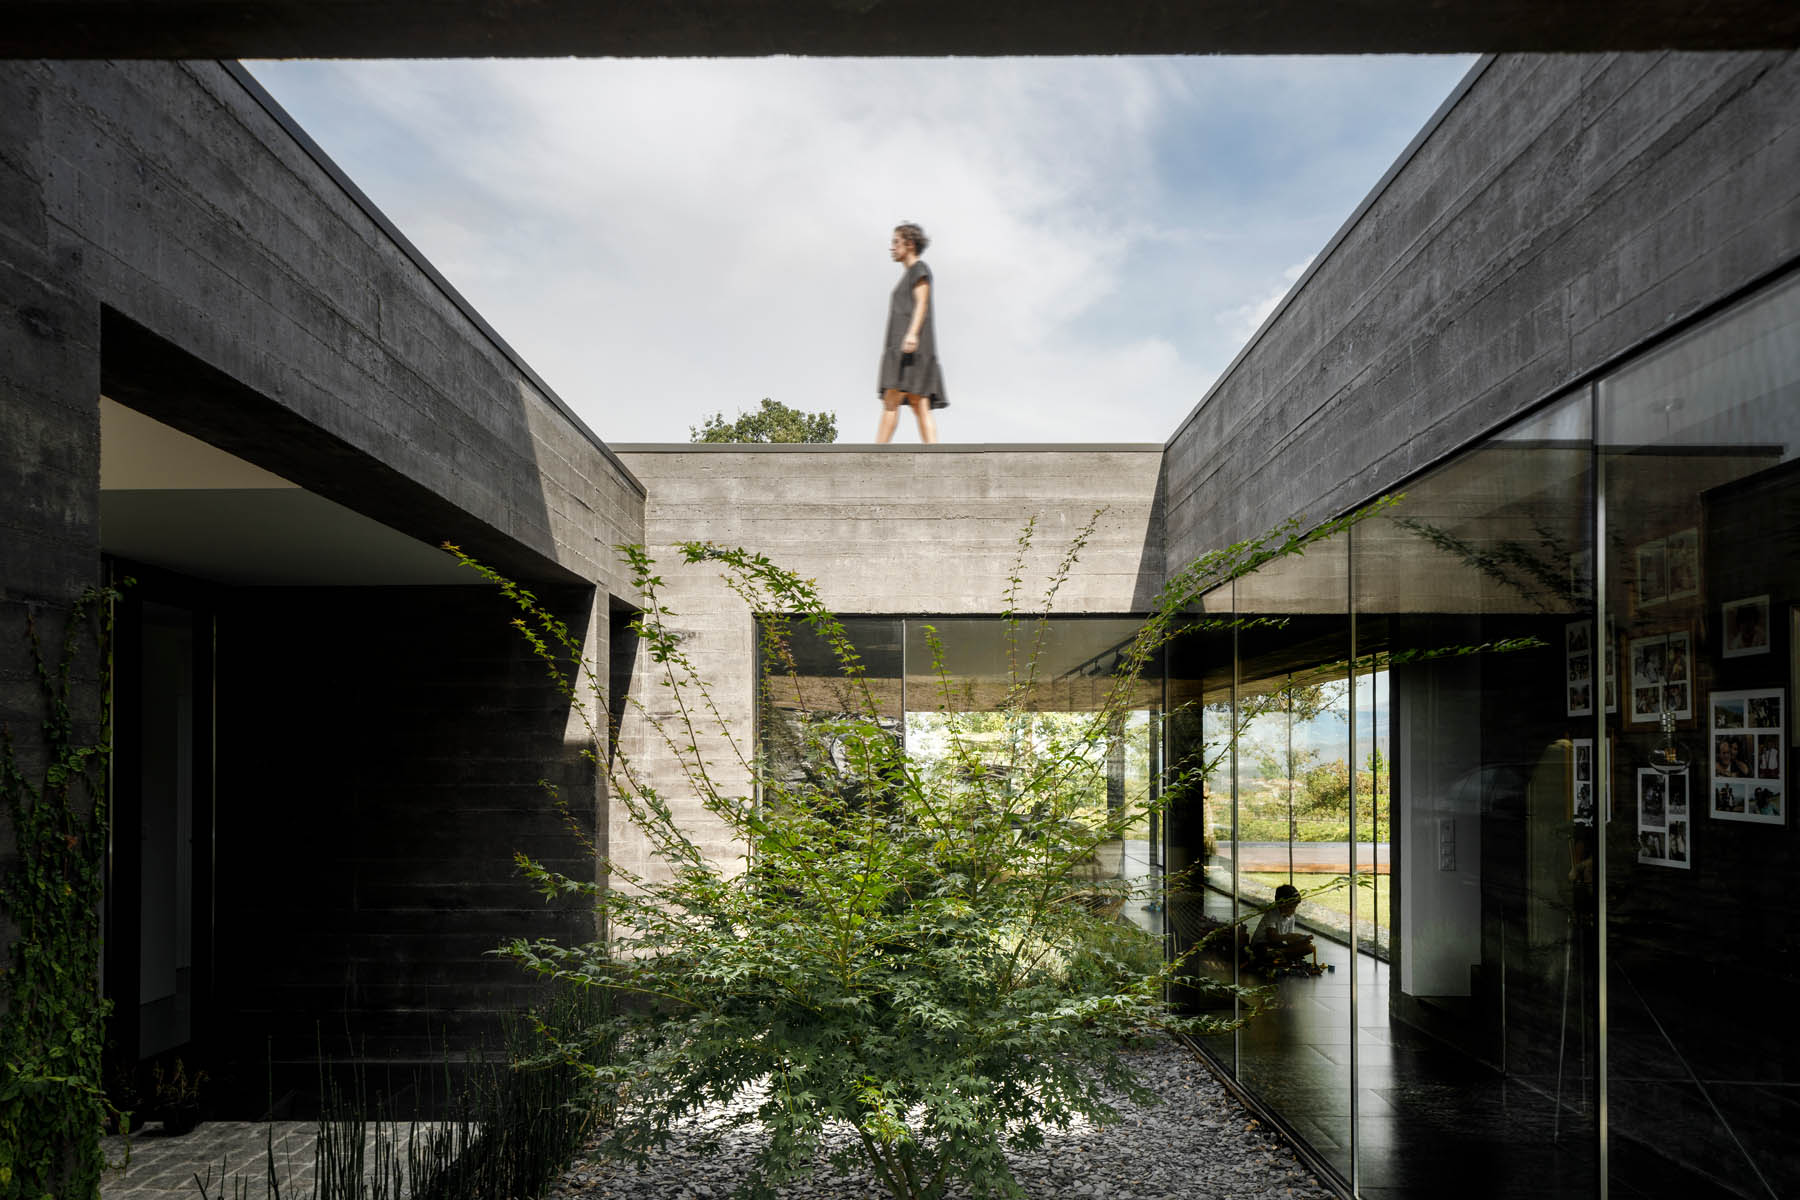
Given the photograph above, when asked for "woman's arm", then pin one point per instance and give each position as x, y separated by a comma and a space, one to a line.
921, 301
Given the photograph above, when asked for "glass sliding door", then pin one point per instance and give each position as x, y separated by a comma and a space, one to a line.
938, 683
1523, 743
1202, 832
1480, 679
1295, 820
157, 970
964, 675
803, 693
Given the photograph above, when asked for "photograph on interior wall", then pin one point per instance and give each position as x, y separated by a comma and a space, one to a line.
1681, 561
1749, 757
1662, 821
1581, 781
1744, 626
1662, 673
1652, 573
1578, 663
1678, 681
1581, 577
1612, 671
1794, 656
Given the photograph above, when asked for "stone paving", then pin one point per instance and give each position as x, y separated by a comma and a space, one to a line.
230, 1157
166, 1166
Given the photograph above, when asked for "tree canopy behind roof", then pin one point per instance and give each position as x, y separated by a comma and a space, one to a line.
773, 422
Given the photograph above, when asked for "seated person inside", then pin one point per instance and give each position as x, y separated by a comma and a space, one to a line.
1274, 938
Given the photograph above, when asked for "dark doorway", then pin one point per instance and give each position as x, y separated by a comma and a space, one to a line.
157, 969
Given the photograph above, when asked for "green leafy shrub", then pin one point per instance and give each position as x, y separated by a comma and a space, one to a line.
911, 951
53, 1109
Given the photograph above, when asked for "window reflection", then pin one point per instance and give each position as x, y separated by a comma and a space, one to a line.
805, 694
989, 696
1476, 1044
1202, 838
1403, 730
1698, 445
1541, 705
1295, 815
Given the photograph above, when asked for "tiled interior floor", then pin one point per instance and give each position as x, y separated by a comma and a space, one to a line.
1430, 1121
1433, 1121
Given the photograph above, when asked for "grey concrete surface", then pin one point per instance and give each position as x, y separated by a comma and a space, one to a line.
171, 198
452, 28
419, 781
163, 236
1563, 211
882, 531
165, 239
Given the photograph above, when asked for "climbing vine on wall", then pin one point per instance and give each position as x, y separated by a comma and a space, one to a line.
52, 1107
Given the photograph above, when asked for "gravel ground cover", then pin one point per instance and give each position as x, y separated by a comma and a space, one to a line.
1198, 1144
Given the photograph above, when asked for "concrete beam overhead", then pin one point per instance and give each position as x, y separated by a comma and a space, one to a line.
642, 28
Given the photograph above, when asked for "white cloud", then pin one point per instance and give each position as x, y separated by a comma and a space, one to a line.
1246, 319
661, 239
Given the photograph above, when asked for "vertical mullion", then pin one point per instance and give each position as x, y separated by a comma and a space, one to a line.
1355, 950
905, 634
1603, 799
1289, 726
1234, 728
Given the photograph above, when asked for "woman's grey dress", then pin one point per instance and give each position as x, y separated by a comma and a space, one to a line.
917, 372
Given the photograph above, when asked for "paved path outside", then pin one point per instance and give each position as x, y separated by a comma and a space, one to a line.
166, 1166
1312, 858
229, 1155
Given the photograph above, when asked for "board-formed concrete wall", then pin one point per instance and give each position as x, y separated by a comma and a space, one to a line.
397, 795
1564, 209
173, 195
897, 530
167, 237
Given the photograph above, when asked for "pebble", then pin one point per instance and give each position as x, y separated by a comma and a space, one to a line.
1197, 1144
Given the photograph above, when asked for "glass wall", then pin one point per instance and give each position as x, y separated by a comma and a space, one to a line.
1295, 812
1472, 602
1496, 810
1520, 740
938, 681
1387, 766
1202, 837
1698, 446
803, 692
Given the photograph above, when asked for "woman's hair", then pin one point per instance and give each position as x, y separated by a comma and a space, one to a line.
913, 234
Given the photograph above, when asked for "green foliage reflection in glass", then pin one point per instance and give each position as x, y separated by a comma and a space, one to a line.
949, 740
923, 955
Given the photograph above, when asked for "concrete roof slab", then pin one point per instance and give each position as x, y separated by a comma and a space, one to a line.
638, 28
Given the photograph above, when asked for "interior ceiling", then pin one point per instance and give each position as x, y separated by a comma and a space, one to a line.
1073, 673
645, 28
973, 647
172, 501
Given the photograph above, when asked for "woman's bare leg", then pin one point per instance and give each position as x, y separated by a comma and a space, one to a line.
921, 406
890, 416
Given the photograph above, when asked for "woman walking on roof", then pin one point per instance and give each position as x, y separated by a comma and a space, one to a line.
909, 365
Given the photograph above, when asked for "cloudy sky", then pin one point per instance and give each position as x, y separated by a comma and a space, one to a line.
664, 239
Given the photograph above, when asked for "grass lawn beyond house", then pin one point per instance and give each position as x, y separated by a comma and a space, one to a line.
1371, 905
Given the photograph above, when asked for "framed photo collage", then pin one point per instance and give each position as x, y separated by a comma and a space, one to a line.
1743, 731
